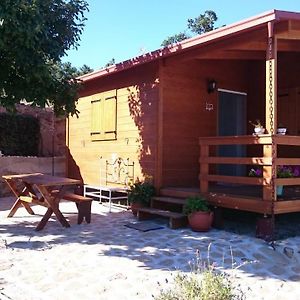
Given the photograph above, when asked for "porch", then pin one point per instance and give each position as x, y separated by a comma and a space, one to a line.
254, 194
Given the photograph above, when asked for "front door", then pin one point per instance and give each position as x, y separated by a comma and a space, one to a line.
232, 121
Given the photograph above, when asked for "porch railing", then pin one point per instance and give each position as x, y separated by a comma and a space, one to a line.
208, 157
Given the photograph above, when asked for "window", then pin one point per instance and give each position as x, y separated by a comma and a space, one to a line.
104, 116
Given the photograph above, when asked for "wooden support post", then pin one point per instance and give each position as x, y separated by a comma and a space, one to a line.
269, 189
158, 178
204, 167
271, 82
267, 174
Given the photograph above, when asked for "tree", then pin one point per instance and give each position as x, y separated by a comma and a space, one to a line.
84, 70
110, 63
176, 38
34, 36
201, 24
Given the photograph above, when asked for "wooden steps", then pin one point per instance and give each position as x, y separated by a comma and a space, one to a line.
178, 193
170, 200
166, 207
176, 220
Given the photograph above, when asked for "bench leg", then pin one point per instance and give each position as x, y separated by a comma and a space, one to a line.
84, 211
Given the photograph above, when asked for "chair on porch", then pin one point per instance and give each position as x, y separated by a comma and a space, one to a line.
118, 174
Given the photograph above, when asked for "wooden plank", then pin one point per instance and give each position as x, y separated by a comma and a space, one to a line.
271, 83
240, 203
268, 192
170, 200
237, 160
287, 181
234, 179
204, 169
287, 161
287, 206
237, 140
160, 121
288, 140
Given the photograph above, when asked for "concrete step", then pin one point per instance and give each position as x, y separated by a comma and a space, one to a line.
176, 220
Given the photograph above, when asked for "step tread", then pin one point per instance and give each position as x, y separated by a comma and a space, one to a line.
161, 212
171, 200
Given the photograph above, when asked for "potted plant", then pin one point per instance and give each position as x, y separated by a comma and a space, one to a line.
282, 172
281, 129
200, 217
258, 127
140, 194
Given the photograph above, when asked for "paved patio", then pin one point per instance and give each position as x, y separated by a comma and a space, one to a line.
106, 260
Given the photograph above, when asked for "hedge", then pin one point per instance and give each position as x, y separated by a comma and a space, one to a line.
19, 135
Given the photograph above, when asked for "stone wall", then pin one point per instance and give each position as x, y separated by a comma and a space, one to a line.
52, 129
21, 165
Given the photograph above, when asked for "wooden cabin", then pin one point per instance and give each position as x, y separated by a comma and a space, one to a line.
182, 115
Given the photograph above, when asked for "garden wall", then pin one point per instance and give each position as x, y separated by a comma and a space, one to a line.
52, 129
20, 165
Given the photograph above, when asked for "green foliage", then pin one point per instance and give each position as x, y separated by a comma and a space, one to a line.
209, 285
141, 191
19, 135
201, 24
204, 282
196, 203
110, 63
35, 35
176, 38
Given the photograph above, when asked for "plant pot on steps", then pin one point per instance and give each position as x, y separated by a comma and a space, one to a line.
135, 206
200, 221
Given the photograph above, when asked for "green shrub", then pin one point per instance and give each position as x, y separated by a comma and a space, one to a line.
208, 285
204, 282
141, 191
195, 203
19, 134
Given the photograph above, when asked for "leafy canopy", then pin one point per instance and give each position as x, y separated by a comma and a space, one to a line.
201, 24
34, 36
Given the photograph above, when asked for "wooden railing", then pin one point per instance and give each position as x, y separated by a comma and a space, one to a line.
269, 161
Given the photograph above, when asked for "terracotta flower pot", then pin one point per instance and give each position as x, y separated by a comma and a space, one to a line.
135, 206
200, 221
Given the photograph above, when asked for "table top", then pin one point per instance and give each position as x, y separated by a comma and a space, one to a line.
43, 179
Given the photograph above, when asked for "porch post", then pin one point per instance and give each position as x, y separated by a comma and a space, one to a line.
271, 112
271, 81
204, 153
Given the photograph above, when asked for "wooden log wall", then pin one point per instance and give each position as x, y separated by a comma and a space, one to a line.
185, 117
137, 96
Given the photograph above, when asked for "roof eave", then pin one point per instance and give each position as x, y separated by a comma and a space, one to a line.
244, 25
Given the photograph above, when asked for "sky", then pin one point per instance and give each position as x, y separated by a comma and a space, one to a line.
123, 29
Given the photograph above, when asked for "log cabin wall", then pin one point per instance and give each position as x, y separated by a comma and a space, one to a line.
137, 97
185, 117
289, 98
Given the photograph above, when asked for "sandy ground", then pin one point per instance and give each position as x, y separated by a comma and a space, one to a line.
107, 260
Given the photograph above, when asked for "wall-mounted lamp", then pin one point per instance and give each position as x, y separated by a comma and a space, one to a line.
211, 86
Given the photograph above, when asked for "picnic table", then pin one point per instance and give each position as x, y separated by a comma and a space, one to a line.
41, 189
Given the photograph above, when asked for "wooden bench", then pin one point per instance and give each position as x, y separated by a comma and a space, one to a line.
83, 205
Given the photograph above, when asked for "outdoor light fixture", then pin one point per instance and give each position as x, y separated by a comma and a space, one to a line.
211, 86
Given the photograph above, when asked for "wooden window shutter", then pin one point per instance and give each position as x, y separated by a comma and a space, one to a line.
110, 117
104, 116
96, 128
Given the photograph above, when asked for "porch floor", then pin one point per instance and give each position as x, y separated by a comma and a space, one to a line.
289, 192
244, 222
